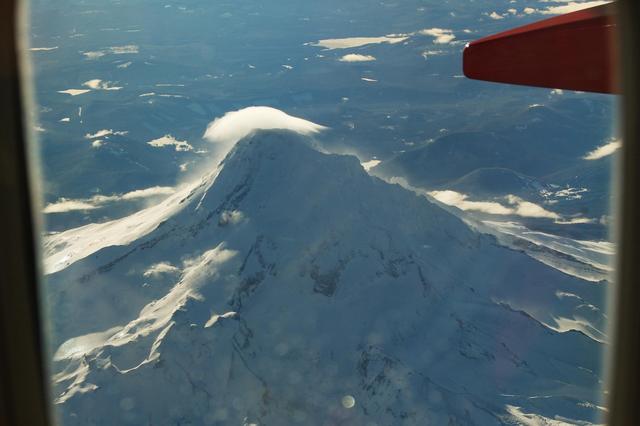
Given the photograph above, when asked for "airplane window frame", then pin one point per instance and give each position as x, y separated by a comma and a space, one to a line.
24, 388
623, 368
23, 384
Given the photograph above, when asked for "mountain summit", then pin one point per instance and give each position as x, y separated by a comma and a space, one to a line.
289, 286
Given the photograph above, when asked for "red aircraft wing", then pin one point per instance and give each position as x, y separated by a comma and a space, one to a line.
576, 51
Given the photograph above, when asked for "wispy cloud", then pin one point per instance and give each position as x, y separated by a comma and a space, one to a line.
64, 205
160, 269
105, 133
605, 150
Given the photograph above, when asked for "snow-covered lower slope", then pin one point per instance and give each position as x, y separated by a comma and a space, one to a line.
292, 287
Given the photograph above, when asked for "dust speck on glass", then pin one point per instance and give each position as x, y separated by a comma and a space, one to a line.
285, 212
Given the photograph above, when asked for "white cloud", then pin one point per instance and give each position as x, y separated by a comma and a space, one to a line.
97, 84
571, 7
97, 143
43, 49
442, 35
93, 84
122, 50
105, 133
530, 419
114, 50
168, 140
93, 54
575, 221
125, 65
456, 199
345, 43
609, 148
154, 191
289, 67
527, 209
235, 125
516, 207
495, 15
368, 165
233, 217
568, 7
215, 318
568, 193
425, 54
64, 205
159, 269
370, 80
557, 92
74, 92
354, 57
65, 120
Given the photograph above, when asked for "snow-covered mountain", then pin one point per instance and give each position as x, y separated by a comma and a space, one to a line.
289, 286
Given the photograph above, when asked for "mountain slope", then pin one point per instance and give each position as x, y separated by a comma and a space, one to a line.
291, 285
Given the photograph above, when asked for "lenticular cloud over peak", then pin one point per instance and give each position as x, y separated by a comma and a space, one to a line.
235, 125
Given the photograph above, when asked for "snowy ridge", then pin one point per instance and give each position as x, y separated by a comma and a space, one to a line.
275, 304
63, 249
587, 260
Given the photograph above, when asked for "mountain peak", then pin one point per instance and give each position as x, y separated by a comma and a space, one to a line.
292, 267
